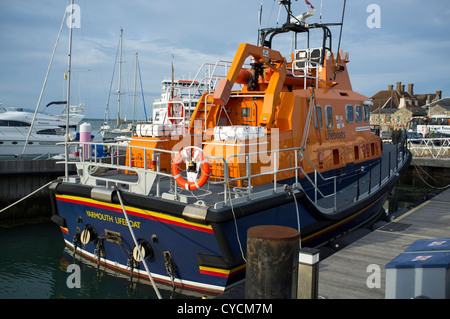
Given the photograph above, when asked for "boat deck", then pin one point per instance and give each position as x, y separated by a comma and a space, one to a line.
215, 194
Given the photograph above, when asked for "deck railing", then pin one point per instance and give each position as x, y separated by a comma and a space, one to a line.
146, 180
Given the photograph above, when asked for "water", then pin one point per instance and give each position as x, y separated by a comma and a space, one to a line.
34, 260
33, 264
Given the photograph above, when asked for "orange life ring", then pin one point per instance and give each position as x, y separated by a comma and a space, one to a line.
205, 172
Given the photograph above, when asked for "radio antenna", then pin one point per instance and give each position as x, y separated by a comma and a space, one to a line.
259, 21
339, 43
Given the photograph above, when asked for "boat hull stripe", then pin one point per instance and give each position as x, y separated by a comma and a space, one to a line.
136, 212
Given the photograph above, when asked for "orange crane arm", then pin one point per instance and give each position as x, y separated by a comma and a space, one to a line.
274, 60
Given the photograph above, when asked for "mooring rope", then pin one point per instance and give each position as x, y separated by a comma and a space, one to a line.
25, 197
136, 243
423, 180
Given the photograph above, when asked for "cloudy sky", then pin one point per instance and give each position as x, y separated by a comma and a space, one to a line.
410, 43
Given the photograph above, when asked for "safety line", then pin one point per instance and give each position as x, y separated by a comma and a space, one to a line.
137, 246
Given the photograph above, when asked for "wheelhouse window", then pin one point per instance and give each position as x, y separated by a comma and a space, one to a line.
358, 113
245, 112
318, 117
329, 117
366, 111
349, 113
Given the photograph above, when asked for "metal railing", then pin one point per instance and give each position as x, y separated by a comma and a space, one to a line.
308, 66
430, 147
143, 178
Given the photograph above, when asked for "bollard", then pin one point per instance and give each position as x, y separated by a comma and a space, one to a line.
308, 274
272, 262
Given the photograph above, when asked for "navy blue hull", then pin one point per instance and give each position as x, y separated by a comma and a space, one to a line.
203, 251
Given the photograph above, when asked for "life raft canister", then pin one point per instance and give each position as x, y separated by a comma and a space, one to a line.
198, 158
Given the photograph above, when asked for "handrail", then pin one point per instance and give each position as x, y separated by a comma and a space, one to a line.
309, 65
148, 176
430, 147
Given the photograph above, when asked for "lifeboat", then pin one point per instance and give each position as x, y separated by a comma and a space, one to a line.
280, 140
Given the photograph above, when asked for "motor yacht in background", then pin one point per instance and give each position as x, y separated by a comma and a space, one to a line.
46, 131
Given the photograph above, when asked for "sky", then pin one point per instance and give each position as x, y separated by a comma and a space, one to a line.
388, 41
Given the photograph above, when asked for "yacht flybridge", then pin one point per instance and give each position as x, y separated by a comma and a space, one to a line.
291, 146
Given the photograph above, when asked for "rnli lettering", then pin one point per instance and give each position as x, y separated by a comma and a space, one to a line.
331, 135
111, 219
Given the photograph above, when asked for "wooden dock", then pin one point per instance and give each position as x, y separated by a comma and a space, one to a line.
345, 274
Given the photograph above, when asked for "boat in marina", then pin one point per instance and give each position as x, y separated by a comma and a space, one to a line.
123, 129
47, 130
276, 141
177, 98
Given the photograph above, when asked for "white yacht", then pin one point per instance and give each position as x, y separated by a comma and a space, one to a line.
46, 131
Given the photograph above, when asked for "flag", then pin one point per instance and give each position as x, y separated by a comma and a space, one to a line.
309, 5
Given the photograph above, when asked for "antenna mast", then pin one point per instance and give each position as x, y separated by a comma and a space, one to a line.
69, 71
339, 43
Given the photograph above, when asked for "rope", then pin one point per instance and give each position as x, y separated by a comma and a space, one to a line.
291, 191
23, 198
137, 246
423, 180
235, 221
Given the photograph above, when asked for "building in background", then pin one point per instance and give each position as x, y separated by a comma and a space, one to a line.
393, 108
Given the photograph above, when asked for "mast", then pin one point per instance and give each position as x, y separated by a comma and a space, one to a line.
69, 68
134, 96
120, 78
44, 84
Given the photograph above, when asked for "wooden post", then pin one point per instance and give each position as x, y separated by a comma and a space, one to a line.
272, 262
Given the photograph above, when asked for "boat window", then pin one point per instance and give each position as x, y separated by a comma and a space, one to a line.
245, 112
50, 131
156, 116
329, 116
349, 113
319, 117
13, 123
366, 113
358, 113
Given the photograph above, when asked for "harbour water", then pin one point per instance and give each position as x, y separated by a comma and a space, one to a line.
34, 260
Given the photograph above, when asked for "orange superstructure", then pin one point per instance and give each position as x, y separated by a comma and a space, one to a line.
306, 103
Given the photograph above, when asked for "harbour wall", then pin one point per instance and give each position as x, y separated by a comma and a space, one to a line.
19, 178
